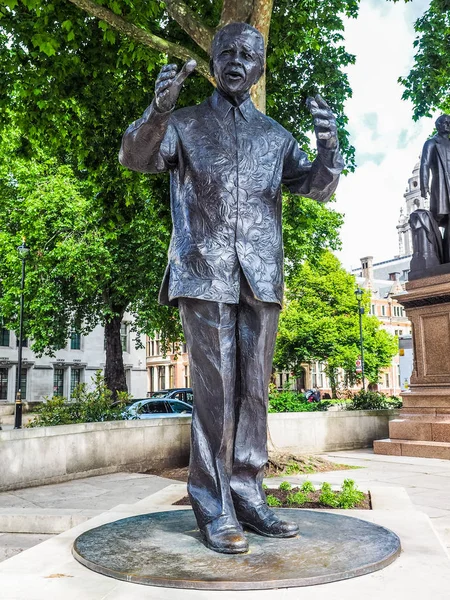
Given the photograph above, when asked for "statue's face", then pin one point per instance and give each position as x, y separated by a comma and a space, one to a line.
443, 125
236, 63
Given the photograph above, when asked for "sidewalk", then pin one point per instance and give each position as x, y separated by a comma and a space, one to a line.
427, 482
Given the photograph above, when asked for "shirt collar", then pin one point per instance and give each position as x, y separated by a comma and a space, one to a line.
222, 106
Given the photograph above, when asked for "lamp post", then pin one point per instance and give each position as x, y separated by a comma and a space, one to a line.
359, 295
23, 251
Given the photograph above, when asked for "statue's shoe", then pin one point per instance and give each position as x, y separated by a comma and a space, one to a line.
265, 522
226, 538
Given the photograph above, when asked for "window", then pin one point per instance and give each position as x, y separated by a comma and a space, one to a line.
162, 378
58, 382
187, 378
373, 309
24, 342
184, 348
171, 376
387, 379
383, 310
75, 341
75, 379
124, 336
152, 408
3, 384
152, 378
4, 337
23, 383
178, 407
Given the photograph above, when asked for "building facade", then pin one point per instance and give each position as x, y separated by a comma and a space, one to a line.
47, 376
166, 371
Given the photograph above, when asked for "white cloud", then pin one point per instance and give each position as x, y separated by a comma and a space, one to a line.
388, 142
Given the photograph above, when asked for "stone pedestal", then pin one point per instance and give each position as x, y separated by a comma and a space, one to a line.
423, 428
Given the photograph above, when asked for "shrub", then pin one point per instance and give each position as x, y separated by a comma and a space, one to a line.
288, 401
297, 498
327, 496
365, 400
87, 406
273, 501
350, 495
285, 485
307, 487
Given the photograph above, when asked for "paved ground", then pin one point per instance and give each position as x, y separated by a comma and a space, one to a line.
90, 494
427, 482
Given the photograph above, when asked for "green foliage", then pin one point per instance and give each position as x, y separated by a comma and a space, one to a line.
288, 401
87, 406
70, 86
327, 496
297, 498
272, 500
307, 487
428, 82
293, 468
321, 323
285, 486
349, 496
366, 400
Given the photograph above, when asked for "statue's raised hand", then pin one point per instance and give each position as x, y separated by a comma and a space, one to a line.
169, 84
324, 122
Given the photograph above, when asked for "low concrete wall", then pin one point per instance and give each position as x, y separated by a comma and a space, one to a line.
45, 455
328, 431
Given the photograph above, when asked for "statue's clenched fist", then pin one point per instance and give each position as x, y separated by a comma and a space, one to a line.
169, 84
324, 122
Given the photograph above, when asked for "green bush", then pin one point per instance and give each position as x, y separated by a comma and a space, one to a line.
87, 406
273, 501
350, 495
297, 498
285, 485
288, 401
365, 400
327, 496
307, 487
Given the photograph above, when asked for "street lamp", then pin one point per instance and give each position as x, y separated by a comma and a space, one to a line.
359, 295
23, 251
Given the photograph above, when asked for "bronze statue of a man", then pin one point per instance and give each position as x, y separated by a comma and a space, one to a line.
227, 162
430, 247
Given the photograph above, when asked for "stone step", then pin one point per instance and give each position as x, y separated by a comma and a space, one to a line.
426, 400
429, 429
42, 520
423, 449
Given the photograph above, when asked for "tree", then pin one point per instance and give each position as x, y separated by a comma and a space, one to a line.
321, 323
428, 82
82, 81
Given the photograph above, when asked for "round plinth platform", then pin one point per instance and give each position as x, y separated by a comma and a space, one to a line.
165, 549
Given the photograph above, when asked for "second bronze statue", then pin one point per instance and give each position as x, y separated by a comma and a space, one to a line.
227, 163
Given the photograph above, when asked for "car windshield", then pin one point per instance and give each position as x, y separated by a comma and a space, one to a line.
161, 394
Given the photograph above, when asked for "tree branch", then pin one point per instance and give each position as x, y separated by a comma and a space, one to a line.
187, 19
235, 10
142, 36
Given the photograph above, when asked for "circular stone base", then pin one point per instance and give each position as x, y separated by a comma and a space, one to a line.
165, 549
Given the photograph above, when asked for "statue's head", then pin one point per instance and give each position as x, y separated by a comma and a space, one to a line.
237, 58
443, 124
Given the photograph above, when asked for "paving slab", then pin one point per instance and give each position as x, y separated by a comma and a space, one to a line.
12, 544
48, 571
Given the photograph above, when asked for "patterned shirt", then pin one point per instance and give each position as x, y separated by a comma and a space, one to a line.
226, 167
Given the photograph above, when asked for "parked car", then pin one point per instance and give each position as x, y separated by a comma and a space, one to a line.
152, 408
183, 394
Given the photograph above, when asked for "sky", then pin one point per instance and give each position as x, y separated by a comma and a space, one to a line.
387, 141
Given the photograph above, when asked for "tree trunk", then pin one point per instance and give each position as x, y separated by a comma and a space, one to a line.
114, 370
